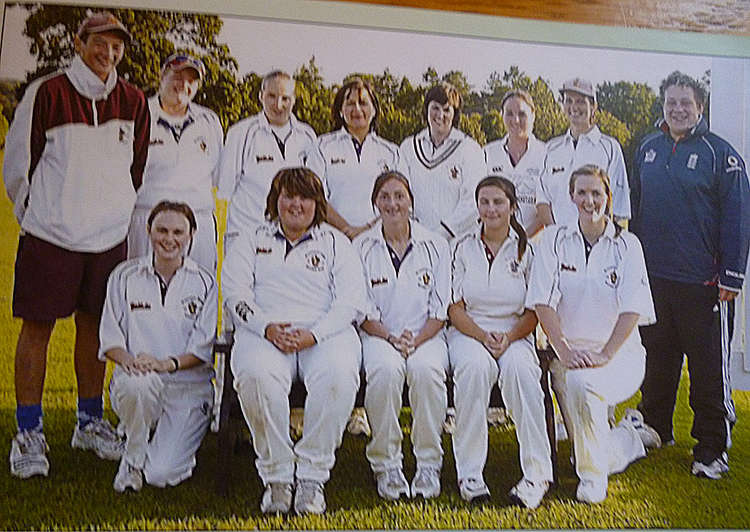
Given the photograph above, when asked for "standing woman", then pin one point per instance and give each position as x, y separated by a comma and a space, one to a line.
443, 165
158, 327
491, 331
590, 289
519, 155
353, 156
408, 281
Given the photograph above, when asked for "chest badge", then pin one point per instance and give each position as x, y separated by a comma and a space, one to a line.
140, 305
424, 278
513, 267
611, 278
455, 172
650, 156
337, 160
497, 169
315, 261
692, 161
558, 169
201, 142
263, 158
191, 306
568, 267
376, 282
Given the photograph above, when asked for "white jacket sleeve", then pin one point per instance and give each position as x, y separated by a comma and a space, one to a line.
113, 324
465, 215
348, 289
544, 284
618, 176
238, 285
200, 342
230, 163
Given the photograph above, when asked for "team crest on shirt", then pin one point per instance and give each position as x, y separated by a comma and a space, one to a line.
202, 144
514, 268
456, 172
692, 161
191, 306
122, 135
650, 156
424, 278
611, 278
315, 261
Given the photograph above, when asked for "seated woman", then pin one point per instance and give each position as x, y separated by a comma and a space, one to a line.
590, 289
158, 327
491, 333
407, 274
292, 287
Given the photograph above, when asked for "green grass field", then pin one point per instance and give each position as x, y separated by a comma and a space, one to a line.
657, 492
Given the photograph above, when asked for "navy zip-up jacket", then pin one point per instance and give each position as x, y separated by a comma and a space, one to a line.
691, 208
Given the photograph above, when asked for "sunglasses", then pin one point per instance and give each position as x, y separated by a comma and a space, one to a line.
179, 62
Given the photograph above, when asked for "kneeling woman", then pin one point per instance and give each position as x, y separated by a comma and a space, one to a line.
292, 287
158, 326
492, 332
590, 289
407, 274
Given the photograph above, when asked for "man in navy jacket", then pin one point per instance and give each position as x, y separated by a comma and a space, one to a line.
691, 206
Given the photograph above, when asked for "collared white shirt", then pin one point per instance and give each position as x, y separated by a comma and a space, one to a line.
316, 284
443, 180
563, 158
250, 160
350, 176
142, 315
421, 288
589, 295
183, 157
524, 175
494, 293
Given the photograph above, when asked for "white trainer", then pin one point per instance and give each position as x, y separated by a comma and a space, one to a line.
648, 435
426, 483
358, 424
99, 436
591, 492
474, 490
127, 477
309, 497
277, 499
528, 494
28, 454
449, 423
496, 416
714, 470
392, 484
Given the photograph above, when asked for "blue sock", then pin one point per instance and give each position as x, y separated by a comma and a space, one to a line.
89, 410
29, 417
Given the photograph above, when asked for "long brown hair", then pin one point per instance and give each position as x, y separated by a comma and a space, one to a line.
509, 189
359, 85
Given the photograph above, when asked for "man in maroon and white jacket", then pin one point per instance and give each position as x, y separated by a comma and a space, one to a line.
74, 159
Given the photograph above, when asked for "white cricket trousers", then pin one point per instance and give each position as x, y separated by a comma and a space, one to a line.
263, 378
203, 250
584, 396
518, 374
178, 413
424, 371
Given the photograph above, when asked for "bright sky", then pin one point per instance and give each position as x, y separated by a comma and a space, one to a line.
261, 45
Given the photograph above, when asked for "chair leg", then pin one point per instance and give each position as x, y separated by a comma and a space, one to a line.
549, 410
225, 437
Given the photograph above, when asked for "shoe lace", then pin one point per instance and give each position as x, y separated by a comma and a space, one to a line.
102, 429
32, 442
307, 490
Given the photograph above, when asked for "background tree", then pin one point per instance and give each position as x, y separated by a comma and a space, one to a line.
314, 99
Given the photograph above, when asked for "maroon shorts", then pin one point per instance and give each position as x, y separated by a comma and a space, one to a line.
52, 282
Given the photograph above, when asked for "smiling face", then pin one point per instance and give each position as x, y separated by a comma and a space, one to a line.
590, 197
101, 52
518, 117
580, 111
494, 207
178, 87
440, 119
681, 110
358, 110
170, 236
295, 213
277, 97
393, 201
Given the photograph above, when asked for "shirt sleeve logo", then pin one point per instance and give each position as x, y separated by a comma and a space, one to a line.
650, 156
191, 306
315, 261
733, 164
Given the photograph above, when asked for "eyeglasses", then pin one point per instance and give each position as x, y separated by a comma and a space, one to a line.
180, 61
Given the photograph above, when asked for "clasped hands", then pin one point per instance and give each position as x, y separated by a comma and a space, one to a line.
404, 344
143, 363
496, 343
288, 339
581, 358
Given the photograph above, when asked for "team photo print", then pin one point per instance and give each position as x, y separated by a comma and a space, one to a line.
323, 265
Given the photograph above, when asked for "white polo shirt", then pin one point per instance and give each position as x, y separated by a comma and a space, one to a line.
350, 175
494, 292
563, 158
524, 175
142, 314
443, 180
315, 284
589, 295
421, 288
183, 157
251, 158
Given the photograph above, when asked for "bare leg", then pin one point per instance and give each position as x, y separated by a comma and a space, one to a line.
89, 369
31, 361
